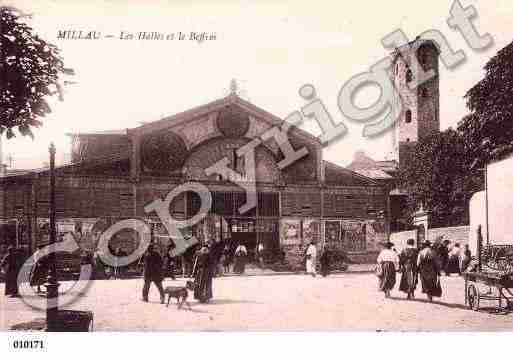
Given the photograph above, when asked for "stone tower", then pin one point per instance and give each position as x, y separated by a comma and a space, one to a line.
420, 113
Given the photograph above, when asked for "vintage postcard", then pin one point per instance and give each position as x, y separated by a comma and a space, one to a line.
255, 166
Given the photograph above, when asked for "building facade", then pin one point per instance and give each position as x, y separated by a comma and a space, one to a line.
115, 175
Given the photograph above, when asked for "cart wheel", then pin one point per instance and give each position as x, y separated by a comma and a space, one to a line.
473, 297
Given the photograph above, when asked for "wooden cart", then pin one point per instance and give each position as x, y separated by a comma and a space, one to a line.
498, 289
495, 272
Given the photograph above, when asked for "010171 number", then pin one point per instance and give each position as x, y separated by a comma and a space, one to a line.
28, 344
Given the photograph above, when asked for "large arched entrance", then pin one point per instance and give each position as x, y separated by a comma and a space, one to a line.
225, 222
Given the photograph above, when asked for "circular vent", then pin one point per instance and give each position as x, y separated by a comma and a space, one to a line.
163, 152
233, 122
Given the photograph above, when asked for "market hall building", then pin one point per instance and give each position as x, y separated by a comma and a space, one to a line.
114, 175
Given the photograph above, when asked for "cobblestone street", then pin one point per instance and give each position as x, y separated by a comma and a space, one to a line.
346, 301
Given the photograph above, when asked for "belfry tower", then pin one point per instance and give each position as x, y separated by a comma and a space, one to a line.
420, 112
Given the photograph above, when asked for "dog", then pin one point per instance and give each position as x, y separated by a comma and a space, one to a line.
180, 293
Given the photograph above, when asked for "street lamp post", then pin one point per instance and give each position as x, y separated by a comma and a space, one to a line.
52, 285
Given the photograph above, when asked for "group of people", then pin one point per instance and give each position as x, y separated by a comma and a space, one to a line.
426, 264
203, 272
453, 258
206, 258
311, 260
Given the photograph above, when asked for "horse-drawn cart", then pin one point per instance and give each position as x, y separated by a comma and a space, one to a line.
492, 279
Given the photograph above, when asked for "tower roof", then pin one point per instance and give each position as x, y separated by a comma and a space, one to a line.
413, 46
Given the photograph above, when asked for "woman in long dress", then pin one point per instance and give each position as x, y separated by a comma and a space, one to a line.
453, 264
386, 260
311, 256
429, 272
203, 275
409, 271
239, 264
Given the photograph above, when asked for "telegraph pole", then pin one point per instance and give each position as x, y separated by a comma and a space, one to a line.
52, 285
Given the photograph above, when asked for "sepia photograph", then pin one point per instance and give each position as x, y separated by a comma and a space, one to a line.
239, 166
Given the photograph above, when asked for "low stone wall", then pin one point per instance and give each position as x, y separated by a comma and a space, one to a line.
458, 234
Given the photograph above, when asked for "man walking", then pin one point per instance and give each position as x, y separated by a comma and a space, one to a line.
152, 273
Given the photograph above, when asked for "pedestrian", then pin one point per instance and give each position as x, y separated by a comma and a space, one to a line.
216, 248
465, 257
441, 251
453, 264
260, 255
325, 261
387, 259
396, 263
170, 265
152, 273
203, 274
239, 264
226, 258
408, 267
311, 256
11, 264
429, 272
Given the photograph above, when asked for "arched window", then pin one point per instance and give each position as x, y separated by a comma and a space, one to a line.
407, 116
409, 76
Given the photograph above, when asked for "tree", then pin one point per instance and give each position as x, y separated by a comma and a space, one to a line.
29, 71
435, 177
488, 129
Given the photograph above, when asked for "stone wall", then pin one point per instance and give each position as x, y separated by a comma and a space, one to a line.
454, 234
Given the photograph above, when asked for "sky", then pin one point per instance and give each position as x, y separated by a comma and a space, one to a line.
271, 48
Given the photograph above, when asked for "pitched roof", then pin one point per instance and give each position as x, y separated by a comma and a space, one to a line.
335, 173
216, 105
373, 173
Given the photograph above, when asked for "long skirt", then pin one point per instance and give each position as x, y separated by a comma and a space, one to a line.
310, 266
11, 282
387, 278
409, 279
239, 264
203, 284
325, 268
430, 281
453, 265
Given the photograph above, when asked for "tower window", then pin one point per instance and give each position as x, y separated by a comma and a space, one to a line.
408, 140
409, 76
407, 116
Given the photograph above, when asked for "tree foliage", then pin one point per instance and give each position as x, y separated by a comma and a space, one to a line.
488, 129
29, 73
435, 177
